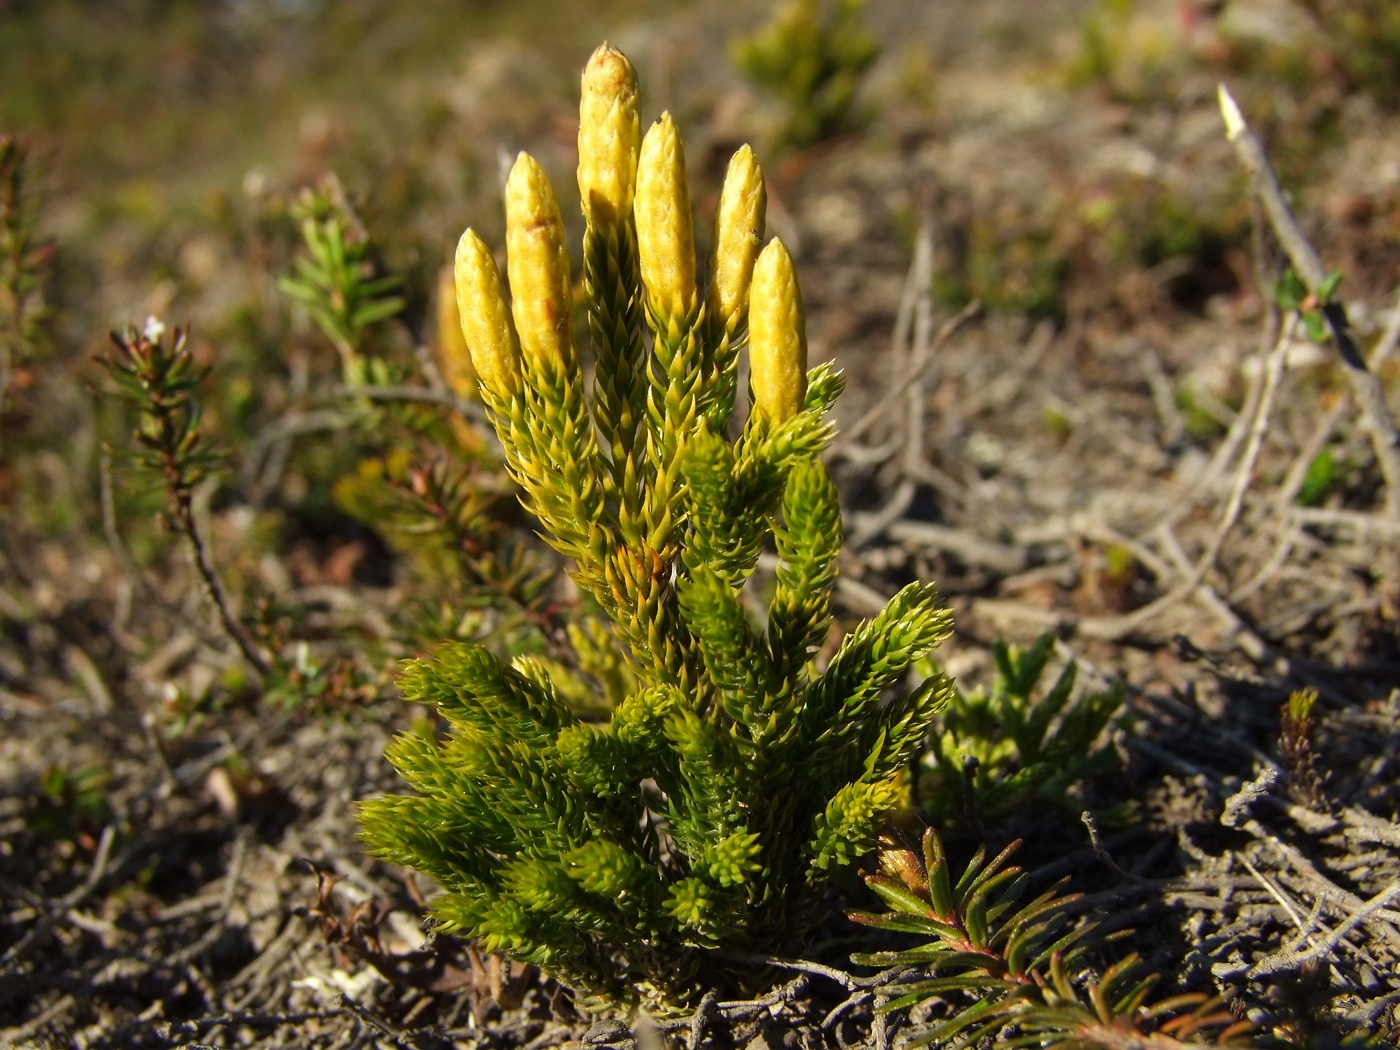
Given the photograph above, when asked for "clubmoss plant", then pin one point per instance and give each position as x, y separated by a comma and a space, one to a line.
1024, 748
732, 776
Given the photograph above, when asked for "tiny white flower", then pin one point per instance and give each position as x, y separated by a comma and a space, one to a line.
155, 328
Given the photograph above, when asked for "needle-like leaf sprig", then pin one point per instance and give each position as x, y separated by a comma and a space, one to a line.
160, 379
336, 277
1022, 963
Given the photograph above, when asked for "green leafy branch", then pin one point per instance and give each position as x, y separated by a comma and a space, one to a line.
1023, 963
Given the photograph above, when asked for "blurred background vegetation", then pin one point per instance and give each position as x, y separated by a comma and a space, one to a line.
1069, 151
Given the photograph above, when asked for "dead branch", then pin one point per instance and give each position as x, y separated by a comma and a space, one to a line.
1366, 386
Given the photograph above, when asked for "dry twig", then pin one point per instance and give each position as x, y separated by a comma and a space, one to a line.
1366, 386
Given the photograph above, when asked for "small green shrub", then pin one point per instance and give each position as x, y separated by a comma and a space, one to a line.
159, 381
